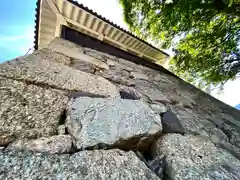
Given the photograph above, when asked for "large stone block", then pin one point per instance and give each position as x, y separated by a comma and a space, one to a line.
192, 157
38, 70
77, 53
86, 165
105, 122
28, 111
151, 90
200, 124
53, 144
49, 55
65, 47
171, 123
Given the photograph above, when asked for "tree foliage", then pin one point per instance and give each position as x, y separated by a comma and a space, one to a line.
204, 34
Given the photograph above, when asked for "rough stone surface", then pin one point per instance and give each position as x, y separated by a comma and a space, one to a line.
28, 111
65, 47
119, 122
156, 164
35, 91
138, 75
76, 53
129, 93
87, 165
171, 123
37, 70
200, 123
151, 91
61, 129
49, 55
158, 108
192, 157
53, 144
85, 59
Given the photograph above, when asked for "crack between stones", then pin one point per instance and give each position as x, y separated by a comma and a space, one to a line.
40, 84
69, 93
155, 164
132, 143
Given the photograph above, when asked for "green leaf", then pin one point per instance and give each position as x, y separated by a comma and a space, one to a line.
205, 35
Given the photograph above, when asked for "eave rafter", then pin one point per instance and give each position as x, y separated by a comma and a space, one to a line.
72, 14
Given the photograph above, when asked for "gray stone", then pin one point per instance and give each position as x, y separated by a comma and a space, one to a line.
150, 90
65, 47
161, 78
49, 55
171, 123
158, 108
116, 74
83, 66
76, 52
234, 150
138, 75
193, 157
129, 65
115, 78
99, 55
111, 122
37, 70
53, 144
35, 90
156, 164
83, 58
198, 122
111, 63
129, 93
61, 129
86, 165
28, 111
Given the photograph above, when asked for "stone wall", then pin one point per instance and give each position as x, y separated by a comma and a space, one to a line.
69, 112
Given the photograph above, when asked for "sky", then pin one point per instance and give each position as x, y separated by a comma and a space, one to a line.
17, 27
17, 33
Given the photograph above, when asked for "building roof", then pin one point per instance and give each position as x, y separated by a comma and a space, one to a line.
52, 14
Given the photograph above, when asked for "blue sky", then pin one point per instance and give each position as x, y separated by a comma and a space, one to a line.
17, 33
17, 27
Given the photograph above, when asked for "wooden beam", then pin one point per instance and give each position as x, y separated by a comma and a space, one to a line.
56, 11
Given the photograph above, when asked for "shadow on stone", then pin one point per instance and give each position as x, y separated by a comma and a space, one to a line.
154, 164
63, 117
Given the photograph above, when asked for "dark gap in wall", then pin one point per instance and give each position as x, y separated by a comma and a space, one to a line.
73, 149
63, 117
155, 164
128, 94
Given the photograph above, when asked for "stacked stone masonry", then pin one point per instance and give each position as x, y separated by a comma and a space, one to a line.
71, 112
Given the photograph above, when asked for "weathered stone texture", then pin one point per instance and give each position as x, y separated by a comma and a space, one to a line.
111, 122
49, 55
151, 91
158, 108
67, 98
87, 165
129, 93
28, 111
192, 157
53, 144
37, 70
171, 123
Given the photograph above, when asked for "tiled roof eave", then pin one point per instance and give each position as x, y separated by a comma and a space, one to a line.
43, 17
